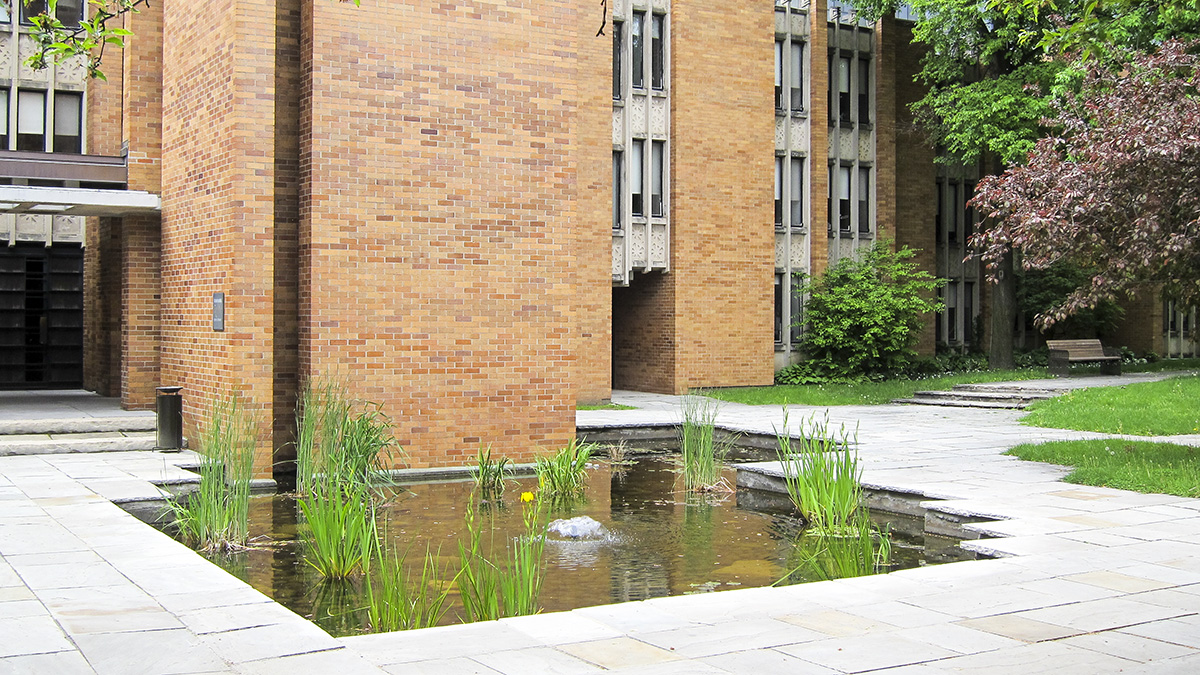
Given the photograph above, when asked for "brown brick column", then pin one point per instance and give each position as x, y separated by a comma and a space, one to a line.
722, 152
140, 319
818, 149
218, 181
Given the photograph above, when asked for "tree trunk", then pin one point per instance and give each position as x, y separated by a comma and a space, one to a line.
1004, 312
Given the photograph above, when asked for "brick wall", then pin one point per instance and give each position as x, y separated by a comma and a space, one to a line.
907, 174
593, 269
1142, 327
218, 205
722, 233
818, 152
644, 336
439, 168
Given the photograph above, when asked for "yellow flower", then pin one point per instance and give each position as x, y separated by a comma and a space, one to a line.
526, 496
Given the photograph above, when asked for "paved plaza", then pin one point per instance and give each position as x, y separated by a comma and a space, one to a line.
1086, 580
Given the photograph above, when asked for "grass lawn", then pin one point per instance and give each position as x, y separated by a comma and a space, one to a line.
606, 406
862, 393
1161, 408
1128, 465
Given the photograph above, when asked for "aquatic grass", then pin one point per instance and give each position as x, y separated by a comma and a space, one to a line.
341, 535
489, 591
489, 474
340, 441
563, 475
700, 451
398, 600
822, 475
854, 551
1163, 408
1141, 466
216, 516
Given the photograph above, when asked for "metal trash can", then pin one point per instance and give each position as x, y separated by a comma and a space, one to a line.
169, 405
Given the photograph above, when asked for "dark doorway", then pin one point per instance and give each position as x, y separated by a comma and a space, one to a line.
41, 317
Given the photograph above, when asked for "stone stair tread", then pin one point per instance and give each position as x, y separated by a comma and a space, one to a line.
963, 403
69, 425
84, 442
974, 395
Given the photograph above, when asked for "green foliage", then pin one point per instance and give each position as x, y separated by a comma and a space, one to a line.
822, 476
341, 532
856, 551
491, 590
339, 442
701, 452
865, 314
1040, 291
489, 474
1160, 408
1126, 465
564, 474
216, 517
398, 600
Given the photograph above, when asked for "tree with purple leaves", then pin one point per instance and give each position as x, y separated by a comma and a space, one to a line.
1114, 188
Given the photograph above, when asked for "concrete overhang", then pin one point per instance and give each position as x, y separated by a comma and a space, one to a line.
65, 201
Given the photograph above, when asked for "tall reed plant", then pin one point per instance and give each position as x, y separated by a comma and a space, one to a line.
857, 550
822, 475
399, 600
340, 441
341, 532
563, 475
701, 452
493, 586
216, 516
489, 474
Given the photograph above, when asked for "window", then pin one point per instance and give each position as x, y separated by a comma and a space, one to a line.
938, 325
34, 8
635, 176
797, 325
864, 91
618, 156
779, 74
637, 69
778, 192
5, 17
955, 211
656, 178
3, 119
70, 12
938, 218
797, 79
952, 311
864, 200
68, 122
969, 311
969, 220
843, 84
31, 121
618, 31
797, 196
844, 176
779, 309
658, 53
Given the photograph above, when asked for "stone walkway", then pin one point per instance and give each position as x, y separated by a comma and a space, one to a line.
1092, 580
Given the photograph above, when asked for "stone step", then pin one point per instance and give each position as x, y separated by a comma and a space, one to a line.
47, 444
1027, 392
963, 403
140, 421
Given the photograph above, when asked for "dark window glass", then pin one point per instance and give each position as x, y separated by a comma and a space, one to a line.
952, 311
955, 211
779, 309
797, 78
779, 74
639, 50
864, 200
658, 53
797, 325
3, 119
618, 31
844, 199
616, 196
797, 196
778, 192
864, 91
843, 84
635, 177
68, 122
969, 221
31, 121
33, 9
969, 311
656, 178
937, 219
69, 12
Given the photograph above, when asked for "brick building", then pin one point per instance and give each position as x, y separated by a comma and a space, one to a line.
474, 214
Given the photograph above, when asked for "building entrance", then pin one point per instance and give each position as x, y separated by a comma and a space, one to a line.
41, 317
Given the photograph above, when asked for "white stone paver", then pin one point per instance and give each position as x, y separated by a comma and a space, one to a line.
1094, 580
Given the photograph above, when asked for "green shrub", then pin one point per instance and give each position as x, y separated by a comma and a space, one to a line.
865, 314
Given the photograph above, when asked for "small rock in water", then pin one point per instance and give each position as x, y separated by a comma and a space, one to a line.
580, 527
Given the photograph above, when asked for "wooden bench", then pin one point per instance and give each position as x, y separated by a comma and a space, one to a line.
1065, 352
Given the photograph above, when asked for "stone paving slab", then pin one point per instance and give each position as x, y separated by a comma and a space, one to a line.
1094, 580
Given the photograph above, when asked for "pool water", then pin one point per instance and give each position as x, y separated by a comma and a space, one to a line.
660, 542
